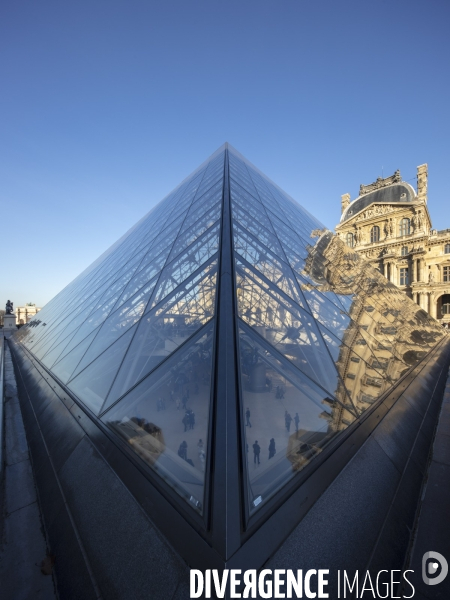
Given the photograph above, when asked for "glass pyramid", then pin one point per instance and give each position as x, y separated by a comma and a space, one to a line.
228, 327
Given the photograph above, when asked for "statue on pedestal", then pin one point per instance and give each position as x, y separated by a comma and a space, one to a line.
9, 308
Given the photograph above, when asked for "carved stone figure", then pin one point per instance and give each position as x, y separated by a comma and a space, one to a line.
392, 227
431, 278
415, 222
9, 307
420, 219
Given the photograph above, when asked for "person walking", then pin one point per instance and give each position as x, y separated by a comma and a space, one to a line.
185, 421
256, 451
287, 420
182, 450
247, 417
296, 421
272, 450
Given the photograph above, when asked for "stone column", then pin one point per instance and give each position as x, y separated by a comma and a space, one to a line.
412, 279
415, 297
424, 301
421, 270
433, 306
385, 270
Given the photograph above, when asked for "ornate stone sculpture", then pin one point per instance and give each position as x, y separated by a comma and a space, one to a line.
392, 227
9, 307
420, 219
380, 183
375, 210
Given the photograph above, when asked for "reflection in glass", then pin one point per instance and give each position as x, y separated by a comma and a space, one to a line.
289, 328
287, 419
165, 418
323, 336
162, 330
186, 264
92, 384
341, 328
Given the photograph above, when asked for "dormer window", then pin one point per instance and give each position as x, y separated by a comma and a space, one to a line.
447, 249
350, 240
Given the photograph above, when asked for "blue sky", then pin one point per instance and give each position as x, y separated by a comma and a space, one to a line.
107, 105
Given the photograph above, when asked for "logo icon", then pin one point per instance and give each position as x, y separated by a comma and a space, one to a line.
434, 568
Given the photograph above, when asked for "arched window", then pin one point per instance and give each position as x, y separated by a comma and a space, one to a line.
405, 226
375, 234
404, 250
447, 249
446, 304
349, 240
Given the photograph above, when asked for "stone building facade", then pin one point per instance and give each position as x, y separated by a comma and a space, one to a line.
390, 225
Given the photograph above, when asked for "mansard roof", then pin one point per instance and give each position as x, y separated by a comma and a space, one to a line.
396, 192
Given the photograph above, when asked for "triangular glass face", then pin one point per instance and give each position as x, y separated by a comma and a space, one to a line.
306, 305
288, 419
163, 271
165, 419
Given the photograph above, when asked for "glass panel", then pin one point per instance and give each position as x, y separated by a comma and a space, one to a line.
91, 324
187, 263
188, 235
165, 419
116, 324
146, 275
211, 195
61, 332
66, 366
326, 312
287, 327
92, 385
55, 350
287, 419
272, 268
283, 282
166, 327
253, 226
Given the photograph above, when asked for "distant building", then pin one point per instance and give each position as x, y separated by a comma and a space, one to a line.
25, 313
389, 224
